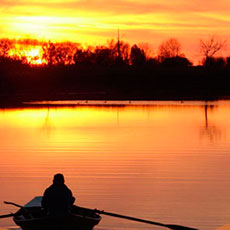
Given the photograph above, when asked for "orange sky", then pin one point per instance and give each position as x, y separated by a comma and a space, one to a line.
96, 21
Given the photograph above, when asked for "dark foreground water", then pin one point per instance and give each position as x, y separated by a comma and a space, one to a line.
164, 161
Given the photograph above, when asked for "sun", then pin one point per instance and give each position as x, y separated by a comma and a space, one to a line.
34, 56
29, 54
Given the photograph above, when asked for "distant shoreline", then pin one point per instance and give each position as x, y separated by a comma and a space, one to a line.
21, 83
23, 101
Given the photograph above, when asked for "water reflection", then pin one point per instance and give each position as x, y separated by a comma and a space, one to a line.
211, 131
137, 160
48, 126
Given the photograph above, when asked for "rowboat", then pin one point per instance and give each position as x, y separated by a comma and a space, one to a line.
32, 217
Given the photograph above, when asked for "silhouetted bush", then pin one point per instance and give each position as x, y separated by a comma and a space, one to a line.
177, 62
212, 62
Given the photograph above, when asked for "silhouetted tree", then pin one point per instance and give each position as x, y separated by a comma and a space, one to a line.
65, 53
5, 46
49, 52
169, 49
147, 48
59, 53
137, 56
104, 56
114, 47
83, 56
212, 47
121, 50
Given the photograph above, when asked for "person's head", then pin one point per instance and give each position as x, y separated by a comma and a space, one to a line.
58, 179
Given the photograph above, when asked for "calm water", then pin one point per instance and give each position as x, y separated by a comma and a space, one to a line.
166, 161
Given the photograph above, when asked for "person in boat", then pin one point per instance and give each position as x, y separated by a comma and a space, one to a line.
58, 198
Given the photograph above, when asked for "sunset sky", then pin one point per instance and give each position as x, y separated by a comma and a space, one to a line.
96, 21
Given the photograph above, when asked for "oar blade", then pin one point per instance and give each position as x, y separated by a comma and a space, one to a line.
179, 227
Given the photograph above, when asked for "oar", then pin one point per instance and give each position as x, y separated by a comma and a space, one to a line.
171, 226
17, 205
20, 206
11, 214
7, 215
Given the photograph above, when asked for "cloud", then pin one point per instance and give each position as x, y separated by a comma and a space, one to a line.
98, 20
124, 6
103, 6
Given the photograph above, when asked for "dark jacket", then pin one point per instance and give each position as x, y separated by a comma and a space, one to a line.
57, 200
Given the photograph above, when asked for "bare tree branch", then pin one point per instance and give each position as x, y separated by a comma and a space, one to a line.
212, 46
169, 49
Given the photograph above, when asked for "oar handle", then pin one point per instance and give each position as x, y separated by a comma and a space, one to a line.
20, 206
17, 205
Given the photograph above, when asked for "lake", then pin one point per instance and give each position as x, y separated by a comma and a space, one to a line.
167, 162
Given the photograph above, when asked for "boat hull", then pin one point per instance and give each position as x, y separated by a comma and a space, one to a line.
80, 220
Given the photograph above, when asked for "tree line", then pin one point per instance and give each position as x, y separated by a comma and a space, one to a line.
113, 71
115, 52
